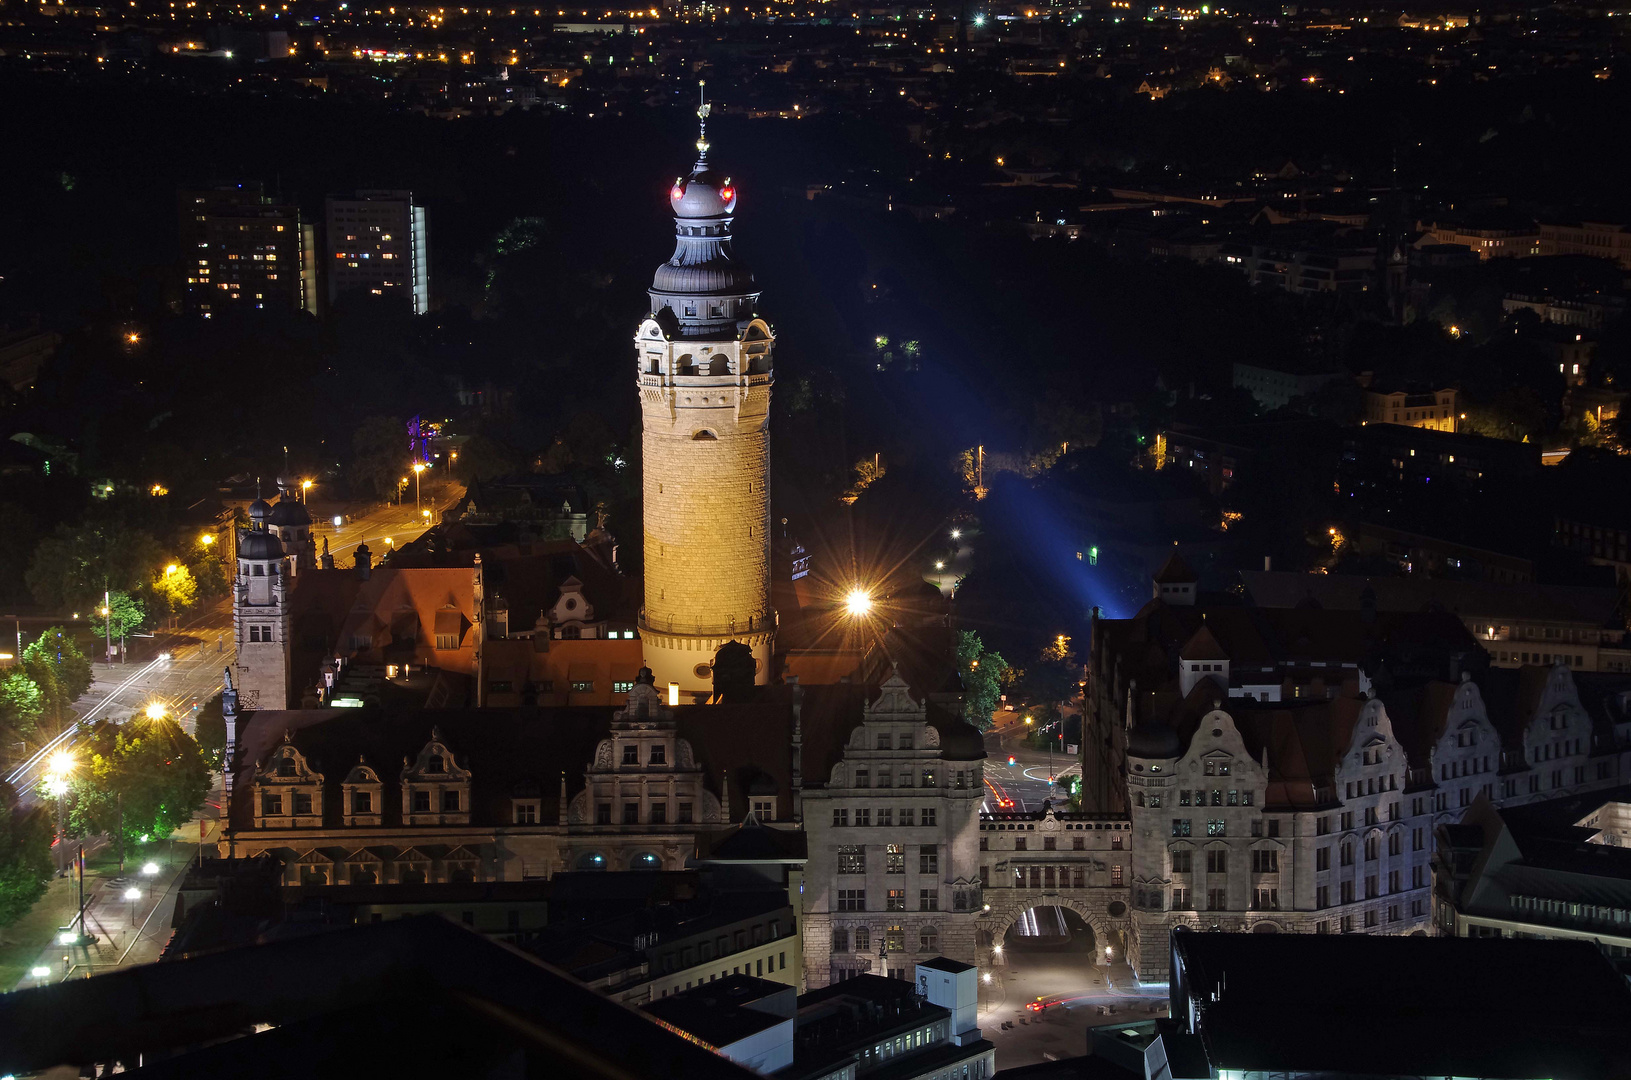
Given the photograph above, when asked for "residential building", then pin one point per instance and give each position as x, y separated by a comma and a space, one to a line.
1510, 238
1517, 623
1235, 1013
377, 245
1273, 388
891, 806
917, 1028
1601, 239
244, 250
1435, 410
1557, 870
1577, 310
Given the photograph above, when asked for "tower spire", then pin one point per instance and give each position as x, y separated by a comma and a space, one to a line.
703, 109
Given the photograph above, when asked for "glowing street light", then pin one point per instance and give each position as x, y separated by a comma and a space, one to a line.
206, 539
172, 570
858, 602
133, 894
156, 710
956, 534
63, 762
418, 471
149, 869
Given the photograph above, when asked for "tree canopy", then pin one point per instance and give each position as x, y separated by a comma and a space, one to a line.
154, 768
25, 858
982, 674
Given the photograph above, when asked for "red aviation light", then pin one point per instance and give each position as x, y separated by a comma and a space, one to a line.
727, 194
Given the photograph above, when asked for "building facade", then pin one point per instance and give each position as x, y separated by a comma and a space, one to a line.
704, 376
245, 251
378, 245
1284, 770
260, 615
894, 838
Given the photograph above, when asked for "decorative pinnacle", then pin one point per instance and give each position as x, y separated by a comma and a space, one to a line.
703, 109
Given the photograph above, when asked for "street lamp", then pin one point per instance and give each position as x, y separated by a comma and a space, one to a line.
418, 472
305, 491
156, 710
149, 869
133, 894
207, 539
858, 602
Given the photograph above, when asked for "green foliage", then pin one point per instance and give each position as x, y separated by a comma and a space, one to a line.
212, 733
380, 445
482, 458
56, 666
21, 706
72, 566
174, 590
25, 859
982, 674
1047, 681
154, 768
125, 613
208, 566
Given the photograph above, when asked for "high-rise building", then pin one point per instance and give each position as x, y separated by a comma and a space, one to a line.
704, 376
245, 250
376, 244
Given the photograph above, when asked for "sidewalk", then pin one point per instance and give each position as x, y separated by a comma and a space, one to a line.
125, 932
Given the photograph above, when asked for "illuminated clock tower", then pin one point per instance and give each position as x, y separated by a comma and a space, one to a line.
704, 363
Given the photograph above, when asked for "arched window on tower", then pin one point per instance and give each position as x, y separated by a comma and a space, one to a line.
704, 436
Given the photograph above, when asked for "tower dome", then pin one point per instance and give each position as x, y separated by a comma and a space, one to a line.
287, 512
702, 286
259, 544
258, 510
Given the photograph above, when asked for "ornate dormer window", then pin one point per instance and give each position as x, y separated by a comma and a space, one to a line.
362, 796
288, 792
435, 789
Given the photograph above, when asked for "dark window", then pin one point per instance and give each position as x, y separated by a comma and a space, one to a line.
659, 754
362, 802
435, 764
631, 755
450, 801
631, 813
421, 802
302, 803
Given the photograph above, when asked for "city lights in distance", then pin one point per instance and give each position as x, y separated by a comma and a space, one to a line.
858, 602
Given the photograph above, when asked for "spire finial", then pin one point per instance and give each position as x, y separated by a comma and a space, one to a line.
703, 109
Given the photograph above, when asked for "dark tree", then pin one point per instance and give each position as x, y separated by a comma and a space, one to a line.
733, 672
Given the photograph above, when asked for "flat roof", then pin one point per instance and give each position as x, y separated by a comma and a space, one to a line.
1481, 1007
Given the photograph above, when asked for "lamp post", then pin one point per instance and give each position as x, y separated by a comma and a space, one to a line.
107, 622
418, 473
133, 894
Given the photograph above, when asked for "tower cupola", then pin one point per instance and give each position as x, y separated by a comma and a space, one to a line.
702, 286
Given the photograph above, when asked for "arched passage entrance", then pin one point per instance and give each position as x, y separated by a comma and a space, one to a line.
1039, 911
1052, 928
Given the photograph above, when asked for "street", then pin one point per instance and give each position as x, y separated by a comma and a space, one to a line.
1025, 783
1064, 967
